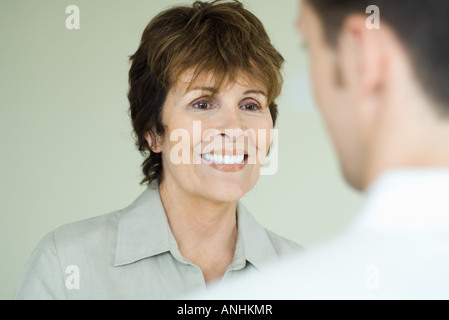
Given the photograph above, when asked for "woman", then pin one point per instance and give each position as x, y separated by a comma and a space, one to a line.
202, 88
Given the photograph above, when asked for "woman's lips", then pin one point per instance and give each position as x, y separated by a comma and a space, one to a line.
227, 163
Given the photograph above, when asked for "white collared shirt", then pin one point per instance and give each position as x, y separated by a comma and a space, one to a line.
397, 248
132, 254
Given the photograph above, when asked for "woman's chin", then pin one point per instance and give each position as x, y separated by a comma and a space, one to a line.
228, 186
222, 191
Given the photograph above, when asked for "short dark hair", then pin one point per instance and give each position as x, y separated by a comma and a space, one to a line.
422, 26
219, 37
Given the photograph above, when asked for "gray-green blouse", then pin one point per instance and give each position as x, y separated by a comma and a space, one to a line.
132, 254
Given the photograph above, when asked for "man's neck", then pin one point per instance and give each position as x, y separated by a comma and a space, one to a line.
424, 144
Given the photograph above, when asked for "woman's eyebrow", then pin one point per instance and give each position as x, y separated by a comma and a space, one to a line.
214, 90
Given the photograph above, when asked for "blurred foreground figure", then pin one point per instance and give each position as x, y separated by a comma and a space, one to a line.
383, 92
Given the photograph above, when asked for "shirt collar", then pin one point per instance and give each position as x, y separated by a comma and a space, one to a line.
257, 246
143, 229
407, 201
143, 232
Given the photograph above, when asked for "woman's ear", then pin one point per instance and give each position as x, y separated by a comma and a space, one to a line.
154, 142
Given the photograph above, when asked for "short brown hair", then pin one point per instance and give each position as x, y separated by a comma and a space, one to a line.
219, 37
421, 26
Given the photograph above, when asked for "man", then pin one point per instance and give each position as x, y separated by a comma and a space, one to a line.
383, 92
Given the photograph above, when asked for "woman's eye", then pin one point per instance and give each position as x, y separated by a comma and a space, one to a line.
250, 107
202, 105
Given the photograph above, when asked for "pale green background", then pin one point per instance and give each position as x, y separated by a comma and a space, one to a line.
66, 148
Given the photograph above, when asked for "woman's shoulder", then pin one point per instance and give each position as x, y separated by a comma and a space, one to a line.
98, 229
83, 245
281, 245
87, 238
99, 234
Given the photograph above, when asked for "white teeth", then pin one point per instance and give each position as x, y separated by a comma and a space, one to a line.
219, 159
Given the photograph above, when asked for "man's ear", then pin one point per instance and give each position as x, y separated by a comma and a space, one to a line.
154, 141
362, 54
363, 61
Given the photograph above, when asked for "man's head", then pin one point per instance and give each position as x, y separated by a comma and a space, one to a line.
384, 93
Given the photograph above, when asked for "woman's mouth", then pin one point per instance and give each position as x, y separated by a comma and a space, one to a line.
228, 163
224, 159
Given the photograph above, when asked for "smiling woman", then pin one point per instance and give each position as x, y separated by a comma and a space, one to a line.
210, 64
226, 114
214, 44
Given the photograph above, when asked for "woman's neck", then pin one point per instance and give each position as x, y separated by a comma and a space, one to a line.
205, 230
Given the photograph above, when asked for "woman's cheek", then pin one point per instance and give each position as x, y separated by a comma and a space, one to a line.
264, 139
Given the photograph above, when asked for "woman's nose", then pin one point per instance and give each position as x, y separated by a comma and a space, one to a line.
231, 125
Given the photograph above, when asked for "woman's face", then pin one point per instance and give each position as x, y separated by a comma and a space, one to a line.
216, 140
